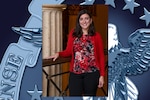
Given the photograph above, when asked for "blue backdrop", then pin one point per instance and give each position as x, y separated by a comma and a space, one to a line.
15, 13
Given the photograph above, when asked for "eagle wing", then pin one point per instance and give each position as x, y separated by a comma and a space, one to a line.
129, 61
139, 54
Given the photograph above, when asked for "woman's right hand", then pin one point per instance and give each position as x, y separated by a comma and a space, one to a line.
54, 57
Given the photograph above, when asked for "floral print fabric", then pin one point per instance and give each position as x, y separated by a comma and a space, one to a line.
84, 59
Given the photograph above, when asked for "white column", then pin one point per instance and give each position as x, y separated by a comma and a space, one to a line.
52, 43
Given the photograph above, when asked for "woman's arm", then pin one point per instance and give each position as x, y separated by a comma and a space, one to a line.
68, 51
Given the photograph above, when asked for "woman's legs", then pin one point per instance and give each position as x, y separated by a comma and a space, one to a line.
85, 84
75, 84
91, 81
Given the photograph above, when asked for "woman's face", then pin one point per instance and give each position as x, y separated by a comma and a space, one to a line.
85, 21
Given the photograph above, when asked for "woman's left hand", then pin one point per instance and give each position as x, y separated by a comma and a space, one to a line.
101, 81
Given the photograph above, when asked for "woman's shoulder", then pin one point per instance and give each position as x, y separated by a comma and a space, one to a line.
71, 33
72, 30
97, 34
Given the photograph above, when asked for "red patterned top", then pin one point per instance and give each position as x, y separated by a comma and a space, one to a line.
97, 51
84, 59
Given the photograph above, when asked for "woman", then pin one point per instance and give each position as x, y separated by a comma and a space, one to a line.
87, 63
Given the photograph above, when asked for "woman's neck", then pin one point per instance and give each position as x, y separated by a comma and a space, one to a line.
85, 32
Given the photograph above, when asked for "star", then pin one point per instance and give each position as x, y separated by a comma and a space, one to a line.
146, 17
130, 4
35, 94
88, 2
110, 2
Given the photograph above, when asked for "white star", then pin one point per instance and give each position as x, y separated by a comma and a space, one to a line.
110, 2
130, 4
146, 17
35, 94
88, 2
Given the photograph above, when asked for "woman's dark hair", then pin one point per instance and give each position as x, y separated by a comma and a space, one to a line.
78, 30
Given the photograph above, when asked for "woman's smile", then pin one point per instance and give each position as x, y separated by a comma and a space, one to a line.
85, 21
